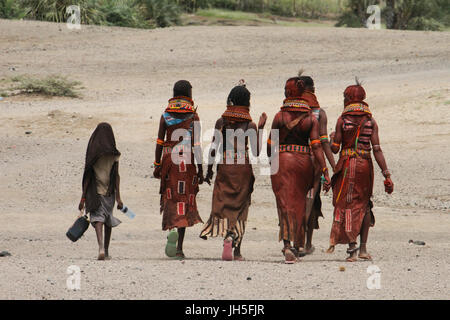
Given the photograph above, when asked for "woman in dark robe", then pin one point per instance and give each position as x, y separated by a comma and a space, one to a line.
233, 185
101, 185
292, 168
355, 137
177, 171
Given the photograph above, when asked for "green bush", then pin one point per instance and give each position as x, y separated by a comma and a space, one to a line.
122, 13
161, 13
416, 14
55, 10
10, 9
421, 23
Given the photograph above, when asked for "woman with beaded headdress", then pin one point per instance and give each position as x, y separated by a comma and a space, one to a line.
292, 167
355, 137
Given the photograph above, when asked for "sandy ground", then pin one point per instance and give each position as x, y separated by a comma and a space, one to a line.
128, 75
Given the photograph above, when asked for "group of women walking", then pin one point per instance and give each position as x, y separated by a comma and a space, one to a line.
298, 152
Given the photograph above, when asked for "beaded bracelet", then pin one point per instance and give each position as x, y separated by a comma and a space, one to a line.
156, 164
386, 173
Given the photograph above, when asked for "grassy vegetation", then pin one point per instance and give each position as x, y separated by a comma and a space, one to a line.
228, 14
55, 85
396, 14
217, 15
10, 9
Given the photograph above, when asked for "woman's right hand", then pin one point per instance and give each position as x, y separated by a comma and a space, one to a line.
81, 205
157, 172
388, 185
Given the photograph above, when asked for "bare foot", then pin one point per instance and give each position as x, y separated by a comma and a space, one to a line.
101, 254
365, 256
352, 254
330, 249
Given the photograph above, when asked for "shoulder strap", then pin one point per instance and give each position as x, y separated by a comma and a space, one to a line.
360, 128
285, 130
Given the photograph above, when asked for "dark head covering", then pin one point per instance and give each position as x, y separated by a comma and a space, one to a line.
101, 143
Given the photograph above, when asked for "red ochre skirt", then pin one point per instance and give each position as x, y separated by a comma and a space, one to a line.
351, 198
290, 185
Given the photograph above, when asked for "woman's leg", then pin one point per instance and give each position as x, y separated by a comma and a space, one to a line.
363, 254
98, 226
352, 251
237, 252
181, 233
107, 240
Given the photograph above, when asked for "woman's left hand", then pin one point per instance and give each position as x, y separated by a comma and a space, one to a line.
119, 204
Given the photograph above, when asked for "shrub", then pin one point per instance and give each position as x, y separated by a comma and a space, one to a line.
10, 9
49, 86
122, 13
161, 13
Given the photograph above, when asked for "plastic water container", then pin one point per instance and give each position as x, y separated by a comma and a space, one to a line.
130, 214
